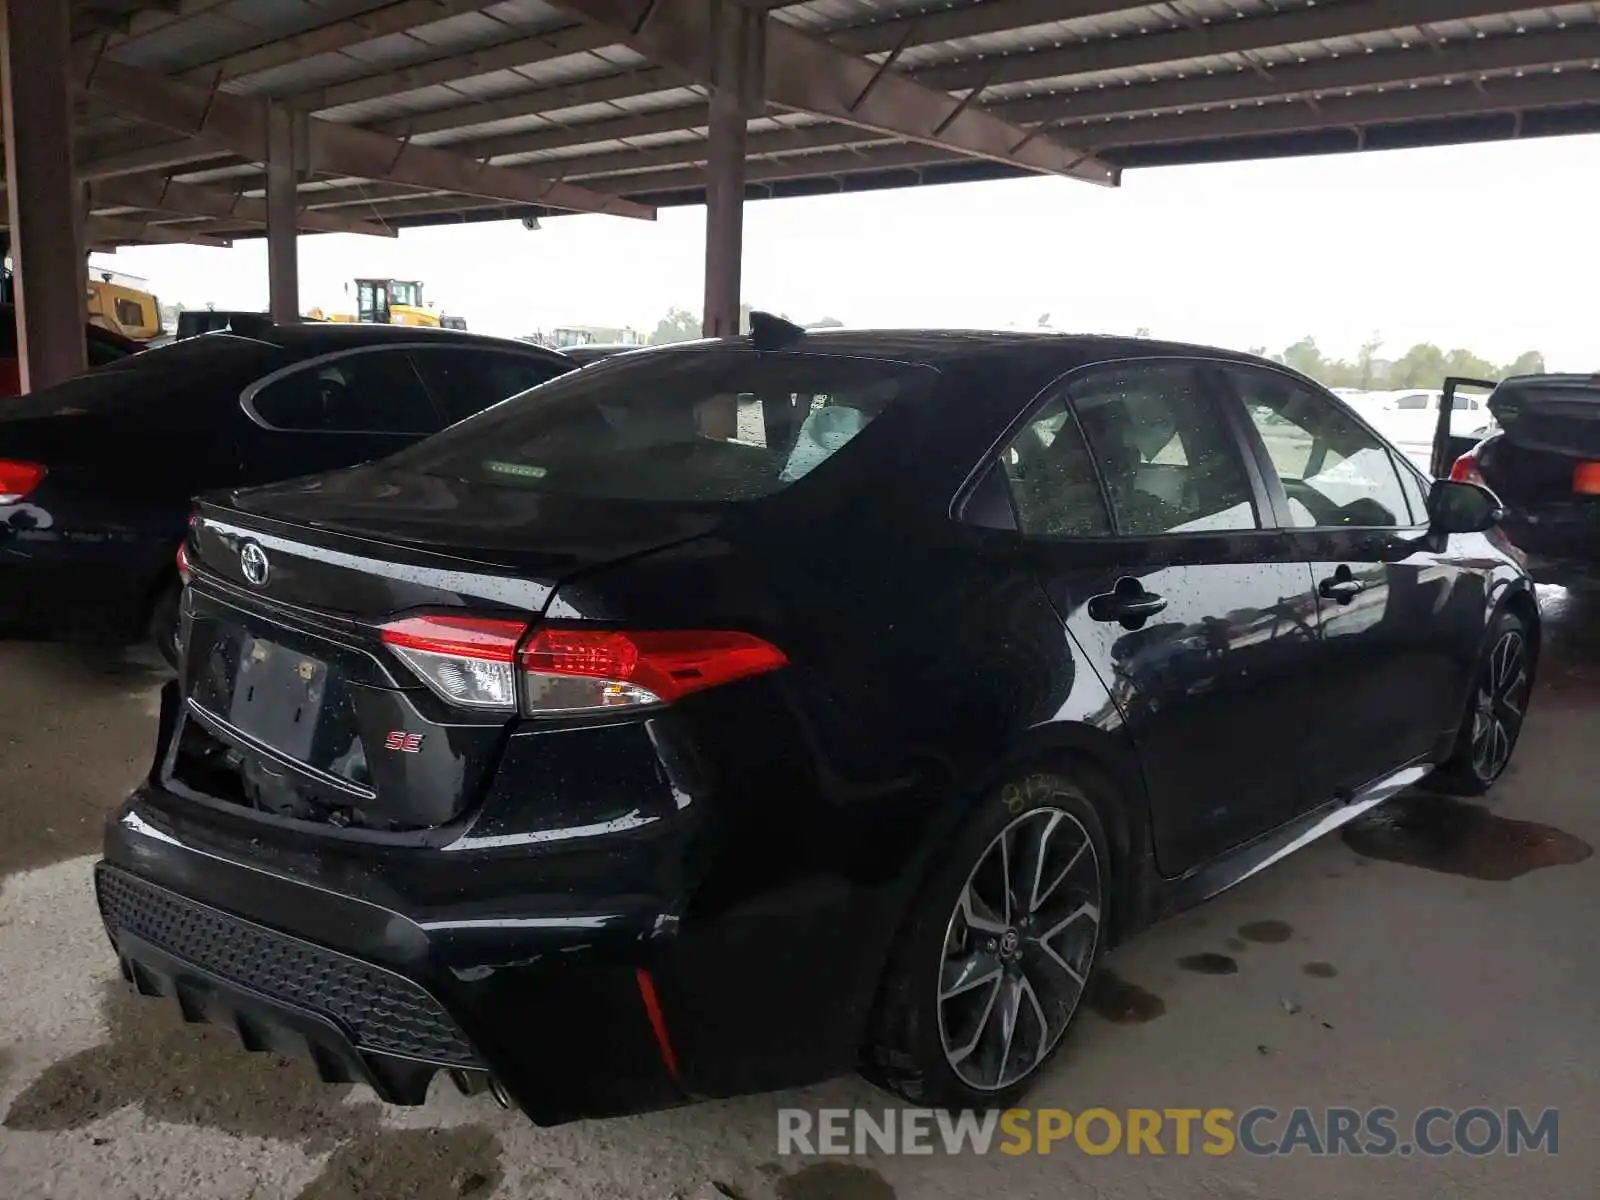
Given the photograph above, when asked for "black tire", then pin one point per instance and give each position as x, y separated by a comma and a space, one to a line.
915, 1025
1502, 685
161, 630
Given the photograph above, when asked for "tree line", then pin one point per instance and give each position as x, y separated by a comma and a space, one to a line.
1423, 366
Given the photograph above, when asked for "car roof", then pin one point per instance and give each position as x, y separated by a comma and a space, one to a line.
316, 337
938, 347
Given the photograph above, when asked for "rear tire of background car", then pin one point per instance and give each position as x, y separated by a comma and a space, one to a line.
998, 951
1495, 712
163, 625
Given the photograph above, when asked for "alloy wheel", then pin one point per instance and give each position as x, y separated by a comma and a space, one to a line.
1500, 702
1018, 949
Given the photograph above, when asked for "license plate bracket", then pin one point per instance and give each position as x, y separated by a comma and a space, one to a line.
277, 696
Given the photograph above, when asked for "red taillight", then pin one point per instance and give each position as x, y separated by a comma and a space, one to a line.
1586, 479
1465, 469
467, 660
17, 479
474, 661
183, 563
472, 637
572, 670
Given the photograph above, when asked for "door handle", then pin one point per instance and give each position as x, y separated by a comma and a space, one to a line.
1127, 603
1342, 586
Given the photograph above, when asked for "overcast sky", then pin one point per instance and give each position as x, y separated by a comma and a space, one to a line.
1495, 248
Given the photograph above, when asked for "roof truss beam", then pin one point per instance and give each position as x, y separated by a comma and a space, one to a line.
189, 153
1323, 22
239, 125
807, 75
541, 100
196, 200
107, 231
694, 153
1483, 97
943, 25
619, 166
149, 20
866, 39
1386, 68
894, 156
330, 38
521, 52
557, 137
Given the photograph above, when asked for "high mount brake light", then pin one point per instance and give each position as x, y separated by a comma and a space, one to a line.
474, 661
17, 479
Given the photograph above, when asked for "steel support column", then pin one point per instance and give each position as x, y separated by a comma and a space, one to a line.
737, 35
283, 217
43, 197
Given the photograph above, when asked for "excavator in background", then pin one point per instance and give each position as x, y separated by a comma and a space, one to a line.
391, 302
123, 304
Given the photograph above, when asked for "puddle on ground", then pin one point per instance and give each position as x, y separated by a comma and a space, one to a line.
1270, 932
1115, 999
834, 1181
1320, 970
1209, 964
200, 1075
1441, 833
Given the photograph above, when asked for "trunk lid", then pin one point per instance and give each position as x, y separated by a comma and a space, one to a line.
1553, 414
1545, 464
295, 706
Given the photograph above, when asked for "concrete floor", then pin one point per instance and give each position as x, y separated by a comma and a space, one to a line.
1455, 961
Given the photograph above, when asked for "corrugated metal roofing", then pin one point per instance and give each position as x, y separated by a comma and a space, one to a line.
600, 99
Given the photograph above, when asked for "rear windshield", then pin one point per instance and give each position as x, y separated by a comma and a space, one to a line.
679, 426
149, 377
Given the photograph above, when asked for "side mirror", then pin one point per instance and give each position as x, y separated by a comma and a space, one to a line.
1458, 507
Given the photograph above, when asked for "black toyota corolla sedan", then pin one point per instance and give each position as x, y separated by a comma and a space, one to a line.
97, 473
735, 714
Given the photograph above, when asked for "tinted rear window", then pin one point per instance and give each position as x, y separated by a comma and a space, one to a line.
151, 376
690, 427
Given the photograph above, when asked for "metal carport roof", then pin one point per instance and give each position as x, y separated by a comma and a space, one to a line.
543, 106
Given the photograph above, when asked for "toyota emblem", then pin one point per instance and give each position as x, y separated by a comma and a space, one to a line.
253, 563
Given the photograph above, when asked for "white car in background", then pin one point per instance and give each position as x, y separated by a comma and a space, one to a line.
1409, 418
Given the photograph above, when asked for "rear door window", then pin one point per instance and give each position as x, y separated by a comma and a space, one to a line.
1168, 462
466, 381
1053, 484
678, 426
373, 391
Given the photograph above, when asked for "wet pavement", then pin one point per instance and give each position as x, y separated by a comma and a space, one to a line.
1439, 952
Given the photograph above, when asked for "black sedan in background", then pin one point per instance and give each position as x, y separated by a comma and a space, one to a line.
1544, 464
96, 474
727, 716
